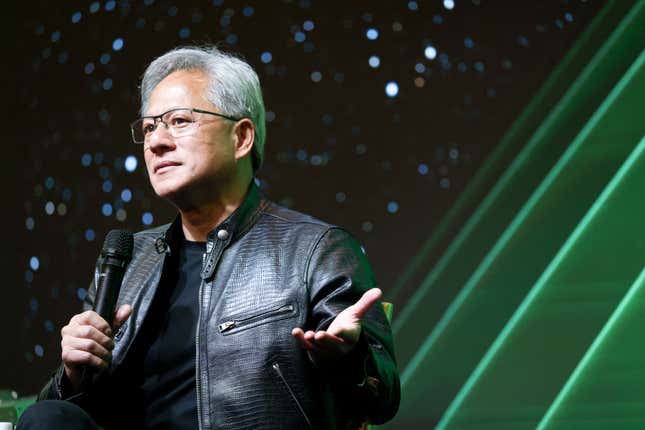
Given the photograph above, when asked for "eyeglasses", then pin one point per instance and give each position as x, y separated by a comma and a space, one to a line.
179, 122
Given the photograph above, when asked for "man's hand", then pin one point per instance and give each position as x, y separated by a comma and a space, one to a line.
341, 335
87, 341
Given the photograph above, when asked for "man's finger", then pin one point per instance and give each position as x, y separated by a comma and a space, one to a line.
299, 334
330, 344
93, 319
366, 301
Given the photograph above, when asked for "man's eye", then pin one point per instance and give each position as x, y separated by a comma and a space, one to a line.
179, 121
148, 128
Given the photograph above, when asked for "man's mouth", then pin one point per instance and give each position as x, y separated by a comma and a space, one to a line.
165, 165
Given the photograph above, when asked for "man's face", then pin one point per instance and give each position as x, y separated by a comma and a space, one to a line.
189, 168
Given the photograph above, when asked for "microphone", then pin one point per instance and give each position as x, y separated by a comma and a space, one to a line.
116, 254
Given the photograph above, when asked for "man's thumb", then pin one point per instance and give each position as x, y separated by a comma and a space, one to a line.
121, 315
368, 299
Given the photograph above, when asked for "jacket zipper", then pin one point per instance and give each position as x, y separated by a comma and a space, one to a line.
230, 325
276, 368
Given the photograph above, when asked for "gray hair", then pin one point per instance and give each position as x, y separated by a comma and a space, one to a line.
233, 87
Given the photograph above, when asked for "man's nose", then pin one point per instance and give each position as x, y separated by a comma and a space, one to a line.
160, 139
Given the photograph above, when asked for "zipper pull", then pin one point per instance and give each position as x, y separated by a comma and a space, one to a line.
226, 326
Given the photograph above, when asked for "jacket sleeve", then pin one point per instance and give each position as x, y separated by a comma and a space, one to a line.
366, 380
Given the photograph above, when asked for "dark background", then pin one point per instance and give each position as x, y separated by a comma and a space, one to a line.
338, 147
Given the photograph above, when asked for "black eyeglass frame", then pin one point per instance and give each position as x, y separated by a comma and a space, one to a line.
157, 119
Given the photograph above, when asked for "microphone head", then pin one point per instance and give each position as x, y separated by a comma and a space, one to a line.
118, 243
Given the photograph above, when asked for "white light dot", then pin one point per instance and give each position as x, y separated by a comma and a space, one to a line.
449, 4
131, 163
374, 61
49, 208
430, 52
34, 263
316, 76
392, 89
372, 34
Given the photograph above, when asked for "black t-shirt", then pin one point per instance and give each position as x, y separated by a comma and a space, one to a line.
165, 348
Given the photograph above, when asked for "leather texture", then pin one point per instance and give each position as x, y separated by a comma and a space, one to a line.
274, 269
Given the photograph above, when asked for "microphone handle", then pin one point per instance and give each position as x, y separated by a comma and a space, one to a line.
107, 292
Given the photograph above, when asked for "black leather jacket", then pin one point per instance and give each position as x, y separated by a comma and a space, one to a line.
277, 269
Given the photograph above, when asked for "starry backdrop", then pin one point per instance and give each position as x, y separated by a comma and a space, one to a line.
378, 114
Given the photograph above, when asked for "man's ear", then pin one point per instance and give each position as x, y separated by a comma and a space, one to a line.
245, 133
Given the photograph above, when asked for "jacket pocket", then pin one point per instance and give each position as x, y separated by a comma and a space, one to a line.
234, 324
276, 368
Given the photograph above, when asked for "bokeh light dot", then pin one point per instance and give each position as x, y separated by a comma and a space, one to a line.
299, 36
117, 45
49, 208
106, 209
39, 350
423, 169
34, 263
49, 326
130, 163
266, 57
121, 215
430, 52
94, 7
392, 207
316, 76
147, 218
449, 4
90, 235
184, 33
126, 195
81, 293
374, 61
77, 17
308, 25
109, 6
372, 34
29, 223
392, 89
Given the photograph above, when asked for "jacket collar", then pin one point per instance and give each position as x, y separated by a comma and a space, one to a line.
234, 226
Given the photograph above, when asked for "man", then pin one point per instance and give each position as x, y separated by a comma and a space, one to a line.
240, 314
